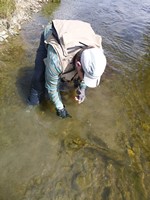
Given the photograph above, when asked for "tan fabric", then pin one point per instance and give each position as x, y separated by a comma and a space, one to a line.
73, 35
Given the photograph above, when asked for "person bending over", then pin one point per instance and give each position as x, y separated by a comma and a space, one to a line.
69, 50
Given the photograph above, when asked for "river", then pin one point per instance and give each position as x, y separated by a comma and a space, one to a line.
102, 152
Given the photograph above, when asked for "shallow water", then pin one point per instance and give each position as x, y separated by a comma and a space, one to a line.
102, 152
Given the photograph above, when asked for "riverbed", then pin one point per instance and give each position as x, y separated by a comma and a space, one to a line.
102, 152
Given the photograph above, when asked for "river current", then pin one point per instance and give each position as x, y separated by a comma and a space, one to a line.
102, 152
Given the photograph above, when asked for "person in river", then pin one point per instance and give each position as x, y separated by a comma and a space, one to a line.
69, 50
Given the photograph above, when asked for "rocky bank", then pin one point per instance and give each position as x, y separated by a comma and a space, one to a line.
23, 12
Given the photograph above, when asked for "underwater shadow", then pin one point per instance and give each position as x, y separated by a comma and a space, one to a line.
23, 82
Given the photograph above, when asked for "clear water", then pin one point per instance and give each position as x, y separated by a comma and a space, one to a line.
102, 152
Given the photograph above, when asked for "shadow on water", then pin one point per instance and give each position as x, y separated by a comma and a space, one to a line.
23, 82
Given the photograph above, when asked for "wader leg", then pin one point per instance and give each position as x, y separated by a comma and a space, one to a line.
38, 80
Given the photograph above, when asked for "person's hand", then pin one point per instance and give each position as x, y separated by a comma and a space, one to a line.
62, 113
80, 95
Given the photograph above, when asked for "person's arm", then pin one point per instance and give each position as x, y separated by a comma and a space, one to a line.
52, 72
